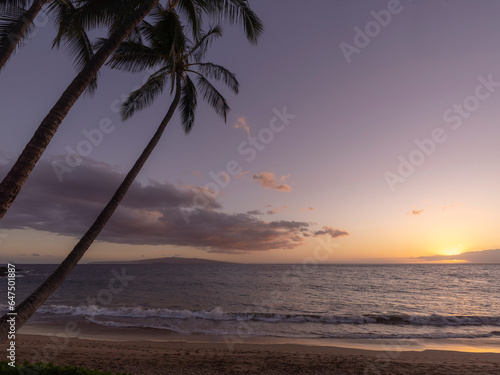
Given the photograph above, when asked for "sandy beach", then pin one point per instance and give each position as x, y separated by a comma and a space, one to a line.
153, 357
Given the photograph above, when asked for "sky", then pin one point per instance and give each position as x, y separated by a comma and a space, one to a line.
364, 131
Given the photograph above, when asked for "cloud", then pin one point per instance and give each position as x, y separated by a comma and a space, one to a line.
255, 212
296, 225
242, 123
429, 208
148, 215
307, 209
270, 210
275, 210
242, 174
483, 256
270, 181
334, 233
415, 212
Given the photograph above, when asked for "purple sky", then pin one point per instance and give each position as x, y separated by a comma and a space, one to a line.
329, 176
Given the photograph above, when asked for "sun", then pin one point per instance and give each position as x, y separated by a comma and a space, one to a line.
456, 250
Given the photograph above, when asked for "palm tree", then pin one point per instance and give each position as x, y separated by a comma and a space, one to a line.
15, 24
233, 10
177, 59
72, 21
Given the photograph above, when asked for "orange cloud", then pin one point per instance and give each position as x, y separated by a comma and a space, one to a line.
242, 174
275, 210
270, 181
242, 123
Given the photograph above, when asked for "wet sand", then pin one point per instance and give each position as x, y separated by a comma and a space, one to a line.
182, 357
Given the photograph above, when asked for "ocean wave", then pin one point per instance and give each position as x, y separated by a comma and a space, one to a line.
217, 314
228, 330
20, 273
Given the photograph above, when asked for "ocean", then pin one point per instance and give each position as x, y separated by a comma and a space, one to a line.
459, 302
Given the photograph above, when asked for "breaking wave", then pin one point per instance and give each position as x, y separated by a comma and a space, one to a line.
217, 314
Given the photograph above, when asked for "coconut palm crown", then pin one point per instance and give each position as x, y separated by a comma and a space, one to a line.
163, 47
232, 11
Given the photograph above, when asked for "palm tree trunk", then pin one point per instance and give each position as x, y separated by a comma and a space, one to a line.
13, 182
28, 307
11, 40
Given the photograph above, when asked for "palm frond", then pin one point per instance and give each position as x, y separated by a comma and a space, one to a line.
73, 36
6, 4
81, 50
192, 11
121, 15
135, 35
237, 12
188, 103
91, 14
163, 43
213, 97
9, 17
145, 95
133, 56
12, 15
199, 49
219, 73
166, 34
61, 13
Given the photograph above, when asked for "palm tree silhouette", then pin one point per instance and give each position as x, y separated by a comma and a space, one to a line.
235, 11
177, 59
15, 23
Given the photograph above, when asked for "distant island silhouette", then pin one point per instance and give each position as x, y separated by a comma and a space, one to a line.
167, 260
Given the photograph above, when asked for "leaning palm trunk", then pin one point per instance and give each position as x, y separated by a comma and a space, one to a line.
19, 28
13, 182
28, 307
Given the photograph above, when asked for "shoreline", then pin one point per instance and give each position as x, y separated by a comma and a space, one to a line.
139, 357
82, 329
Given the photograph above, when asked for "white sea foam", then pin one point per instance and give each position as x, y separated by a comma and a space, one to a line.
217, 314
